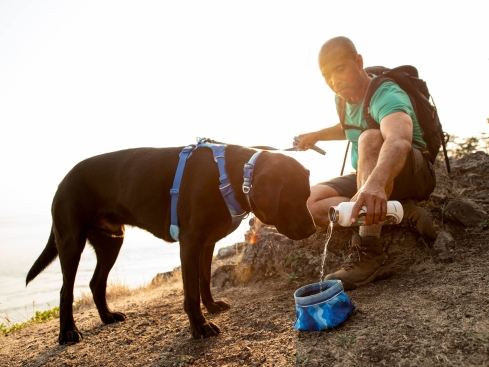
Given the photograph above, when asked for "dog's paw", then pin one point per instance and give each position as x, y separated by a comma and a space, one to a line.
111, 317
70, 336
205, 331
217, 306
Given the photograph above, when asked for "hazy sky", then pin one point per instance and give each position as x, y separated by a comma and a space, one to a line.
79, 78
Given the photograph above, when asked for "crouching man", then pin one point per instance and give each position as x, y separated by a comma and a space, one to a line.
391, 162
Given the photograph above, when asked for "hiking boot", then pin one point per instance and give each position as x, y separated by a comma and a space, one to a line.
418, 219
364, 264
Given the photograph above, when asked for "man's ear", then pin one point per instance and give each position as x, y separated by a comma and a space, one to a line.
265, 195
359, 62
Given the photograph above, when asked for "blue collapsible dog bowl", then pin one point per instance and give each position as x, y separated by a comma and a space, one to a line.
320, 306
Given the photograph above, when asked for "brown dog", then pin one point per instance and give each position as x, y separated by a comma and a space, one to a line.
103, 193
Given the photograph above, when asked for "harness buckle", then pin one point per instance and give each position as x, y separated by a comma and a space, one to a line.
247, 185
202, 140
188, 149
174, 192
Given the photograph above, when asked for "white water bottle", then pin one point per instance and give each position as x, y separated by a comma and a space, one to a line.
341, 214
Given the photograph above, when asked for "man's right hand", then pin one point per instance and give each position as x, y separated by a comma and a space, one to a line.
307, 141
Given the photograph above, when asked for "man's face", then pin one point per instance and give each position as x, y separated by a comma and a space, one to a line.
342, 74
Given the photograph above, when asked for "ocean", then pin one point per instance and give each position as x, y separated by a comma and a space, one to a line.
22, 240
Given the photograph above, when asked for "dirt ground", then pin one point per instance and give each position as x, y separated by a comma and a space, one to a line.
428, 313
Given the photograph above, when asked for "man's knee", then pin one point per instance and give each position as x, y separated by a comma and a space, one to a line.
321, 192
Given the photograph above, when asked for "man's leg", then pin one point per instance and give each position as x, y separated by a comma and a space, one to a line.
322, 198
366, 260
416, 181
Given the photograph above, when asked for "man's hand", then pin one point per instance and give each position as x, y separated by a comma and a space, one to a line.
307, 141
374, 199
310, 139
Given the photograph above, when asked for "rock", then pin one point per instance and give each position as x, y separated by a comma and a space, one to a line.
167, 276
231, 275
476, 162
465, 212
224, 276
229, 251
441, 247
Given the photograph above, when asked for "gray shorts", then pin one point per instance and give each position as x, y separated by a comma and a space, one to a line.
417, 180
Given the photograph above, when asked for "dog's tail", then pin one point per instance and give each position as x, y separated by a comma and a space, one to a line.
47, 257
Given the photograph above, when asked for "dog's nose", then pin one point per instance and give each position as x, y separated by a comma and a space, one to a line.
301, 231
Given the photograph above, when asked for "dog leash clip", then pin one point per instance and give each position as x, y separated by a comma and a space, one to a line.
247, 185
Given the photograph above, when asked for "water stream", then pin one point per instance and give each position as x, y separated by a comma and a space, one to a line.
325, 252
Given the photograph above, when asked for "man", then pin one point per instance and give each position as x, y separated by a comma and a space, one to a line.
390, 162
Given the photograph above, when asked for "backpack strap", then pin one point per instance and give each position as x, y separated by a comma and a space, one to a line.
372, 87
383, 75
342, 114
342, 111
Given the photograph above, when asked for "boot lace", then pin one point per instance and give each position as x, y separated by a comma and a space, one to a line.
356, 251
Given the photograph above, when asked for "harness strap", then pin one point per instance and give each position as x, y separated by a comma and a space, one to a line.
174, 192
227, 192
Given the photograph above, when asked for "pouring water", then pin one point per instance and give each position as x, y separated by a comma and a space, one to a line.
325, 252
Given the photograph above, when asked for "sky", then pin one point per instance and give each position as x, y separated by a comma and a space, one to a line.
80, 78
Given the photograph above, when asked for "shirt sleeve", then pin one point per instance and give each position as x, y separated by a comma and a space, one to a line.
389, 98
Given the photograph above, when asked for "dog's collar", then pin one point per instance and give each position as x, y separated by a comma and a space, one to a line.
248, 177
227, 192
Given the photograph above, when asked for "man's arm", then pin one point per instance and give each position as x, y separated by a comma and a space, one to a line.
330, 133
376, 183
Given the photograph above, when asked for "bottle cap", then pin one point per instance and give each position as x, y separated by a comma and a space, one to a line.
334, 214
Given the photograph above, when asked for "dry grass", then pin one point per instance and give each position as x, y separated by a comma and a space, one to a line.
118, 289
115, 289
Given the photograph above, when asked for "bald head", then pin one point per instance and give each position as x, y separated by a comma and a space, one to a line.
342, 69
339, 45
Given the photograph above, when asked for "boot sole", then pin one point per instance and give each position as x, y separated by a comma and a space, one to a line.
381, 273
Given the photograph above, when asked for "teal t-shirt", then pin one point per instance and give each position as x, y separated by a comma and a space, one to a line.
387, 99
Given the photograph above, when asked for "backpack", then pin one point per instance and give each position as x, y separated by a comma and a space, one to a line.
407, 78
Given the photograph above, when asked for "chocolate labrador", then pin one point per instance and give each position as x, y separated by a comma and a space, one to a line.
132, 187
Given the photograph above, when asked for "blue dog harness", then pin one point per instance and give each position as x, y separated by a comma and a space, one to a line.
235, 209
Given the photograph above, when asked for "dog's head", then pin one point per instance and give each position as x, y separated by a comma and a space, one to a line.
279, 195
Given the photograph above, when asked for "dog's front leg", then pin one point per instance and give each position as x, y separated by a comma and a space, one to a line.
205, 282
190, 259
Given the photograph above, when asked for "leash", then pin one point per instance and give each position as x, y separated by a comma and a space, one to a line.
266, 147
344, 158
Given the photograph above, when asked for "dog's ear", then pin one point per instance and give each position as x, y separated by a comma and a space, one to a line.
265, 195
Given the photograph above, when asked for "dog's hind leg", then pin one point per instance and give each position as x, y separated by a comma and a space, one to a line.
107, 246
205, 282
70, 250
